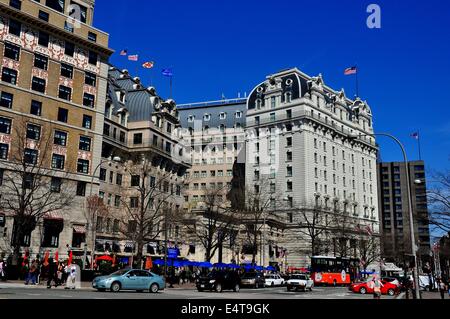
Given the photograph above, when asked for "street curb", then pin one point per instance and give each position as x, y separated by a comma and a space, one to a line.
401, 296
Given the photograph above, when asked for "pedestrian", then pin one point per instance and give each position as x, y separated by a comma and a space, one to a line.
32, 273
376, 285
52, 269
2, 270
25, 271
71, 279
442, 288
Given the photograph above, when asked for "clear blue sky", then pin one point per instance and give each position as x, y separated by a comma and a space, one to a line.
230, 46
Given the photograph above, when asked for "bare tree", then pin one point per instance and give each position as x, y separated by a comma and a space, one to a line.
312, 225
439, 200
146, 205
94, 207
213, 223
342, 228
31, 188
369, 247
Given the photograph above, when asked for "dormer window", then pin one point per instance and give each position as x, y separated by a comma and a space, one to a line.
273, 102
108, 110
191, 118
258, 104
238, 114
122, 97
222, 116
288, 97
206, 117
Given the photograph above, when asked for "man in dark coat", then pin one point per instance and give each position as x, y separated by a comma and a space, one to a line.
52, 269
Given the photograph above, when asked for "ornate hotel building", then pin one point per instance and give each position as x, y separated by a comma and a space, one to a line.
53, 83
300, 150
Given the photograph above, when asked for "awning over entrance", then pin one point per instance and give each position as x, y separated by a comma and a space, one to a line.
78, 229
54, 216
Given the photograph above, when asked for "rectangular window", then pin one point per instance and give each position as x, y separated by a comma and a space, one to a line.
90, 79
88, 100
117, 200
15, 27
63, 115
81, 189
93, 58
83, 166
41, 61
36, 108
135, 180
87, 121
134, 202
289, 171
272, 117
12, 51
65, 93
38, 84
43, 39
58, 161
57, 5
16, 4
30, 156
85, 143
102, 176
44, 16
119, 179
5, 125
69, 49
66, 70
55, 185
273, 102
4, 150
122, 137
60, 138
9, 75
137, 139
33, 132
6, 100
92, 36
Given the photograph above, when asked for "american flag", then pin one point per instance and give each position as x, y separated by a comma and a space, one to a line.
133, 57
148, 65
124, 52
350, 71
415, 135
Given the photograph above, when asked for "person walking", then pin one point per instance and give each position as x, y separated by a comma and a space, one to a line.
52, 269
32, 273
442, 288
2, 270
376, 285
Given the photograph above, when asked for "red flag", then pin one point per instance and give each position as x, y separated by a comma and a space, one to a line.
56, 256
114, 260
70, 258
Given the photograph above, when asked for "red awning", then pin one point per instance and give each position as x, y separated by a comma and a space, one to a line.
106, 258
54, 216
79, 229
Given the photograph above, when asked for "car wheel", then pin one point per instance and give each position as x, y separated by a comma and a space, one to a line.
363, 291
273, 284
154, 288
115, 286
237, 288
391, 292
218, 288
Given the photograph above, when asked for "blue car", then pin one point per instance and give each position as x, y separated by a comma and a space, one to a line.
130, 279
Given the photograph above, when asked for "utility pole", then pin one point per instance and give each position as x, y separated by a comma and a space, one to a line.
165, 242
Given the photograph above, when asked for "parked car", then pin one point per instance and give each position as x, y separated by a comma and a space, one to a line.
392, 280
253, 279
365, 288
274, 280
300, 282
219, 280
129, 279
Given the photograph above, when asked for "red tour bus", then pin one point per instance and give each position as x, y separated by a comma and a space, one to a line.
333, 270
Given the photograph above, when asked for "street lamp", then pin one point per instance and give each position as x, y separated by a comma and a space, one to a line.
115, 159
411, 217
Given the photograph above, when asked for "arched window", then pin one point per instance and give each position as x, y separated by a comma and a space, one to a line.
288, 97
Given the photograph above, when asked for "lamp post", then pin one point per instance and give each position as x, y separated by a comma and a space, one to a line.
411, 217
115, 159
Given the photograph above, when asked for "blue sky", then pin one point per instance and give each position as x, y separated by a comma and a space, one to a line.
230, 46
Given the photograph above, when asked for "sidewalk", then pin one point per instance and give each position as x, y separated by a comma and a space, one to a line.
43, 284
426, 295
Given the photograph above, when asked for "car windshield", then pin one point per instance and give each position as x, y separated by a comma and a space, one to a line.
120, 272
300, 277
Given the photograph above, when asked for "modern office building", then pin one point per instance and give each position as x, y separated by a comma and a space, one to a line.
214, 131
394, 211
302, 153
53, 87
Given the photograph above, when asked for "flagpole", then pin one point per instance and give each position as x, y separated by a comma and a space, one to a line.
418, 142
357, 82
171, 86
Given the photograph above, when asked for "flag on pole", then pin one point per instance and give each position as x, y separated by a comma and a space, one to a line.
56, 256
70, 258
134, 57
167, 72
124, 52
369, 230
350, 71
415, 135
148, 65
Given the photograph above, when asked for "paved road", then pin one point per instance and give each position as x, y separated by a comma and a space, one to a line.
38, 292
